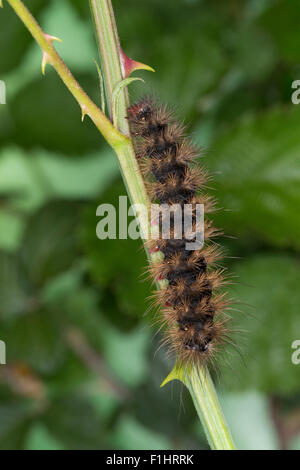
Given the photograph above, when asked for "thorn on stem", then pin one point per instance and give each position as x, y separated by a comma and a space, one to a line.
50, 38
130, 65
83, 112
45, 61
46, 57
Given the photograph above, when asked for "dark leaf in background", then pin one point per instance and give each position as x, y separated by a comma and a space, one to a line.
110, 260
50, 242
73, 421
256, 169
15, 416
186, 52
36, 340
56, 123
172, 412
268, 295
281, 21
13, 32
15, 290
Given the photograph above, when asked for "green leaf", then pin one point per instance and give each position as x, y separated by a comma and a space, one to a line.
15, 415
58, 19
74, 422
15, 290
81, 311
21, 179
73, 177
282, 23
269, 325
11, 229
71, 375
117, 264
253, 53
253, 409
35, 339
50, 241
187, 53
124, 349
257, 178
29, 179
14, 33
130, 434
39, 438
53, 124
78, 47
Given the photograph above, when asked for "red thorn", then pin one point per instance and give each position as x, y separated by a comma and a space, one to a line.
129, 65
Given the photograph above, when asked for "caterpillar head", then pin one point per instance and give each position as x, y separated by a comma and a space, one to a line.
140, 112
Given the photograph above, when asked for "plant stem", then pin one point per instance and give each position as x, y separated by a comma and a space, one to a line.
200, 385
109, 49
207, 404
197, 381
88, 107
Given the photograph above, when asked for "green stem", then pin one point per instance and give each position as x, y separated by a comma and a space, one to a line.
88, 107
198, 381
200, 385
109, 49
208, 407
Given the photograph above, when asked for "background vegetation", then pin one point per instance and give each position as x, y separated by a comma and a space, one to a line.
81, 371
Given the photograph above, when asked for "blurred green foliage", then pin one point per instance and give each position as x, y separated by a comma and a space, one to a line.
81, 370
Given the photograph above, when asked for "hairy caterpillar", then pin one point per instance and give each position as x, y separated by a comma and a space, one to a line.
192, 312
